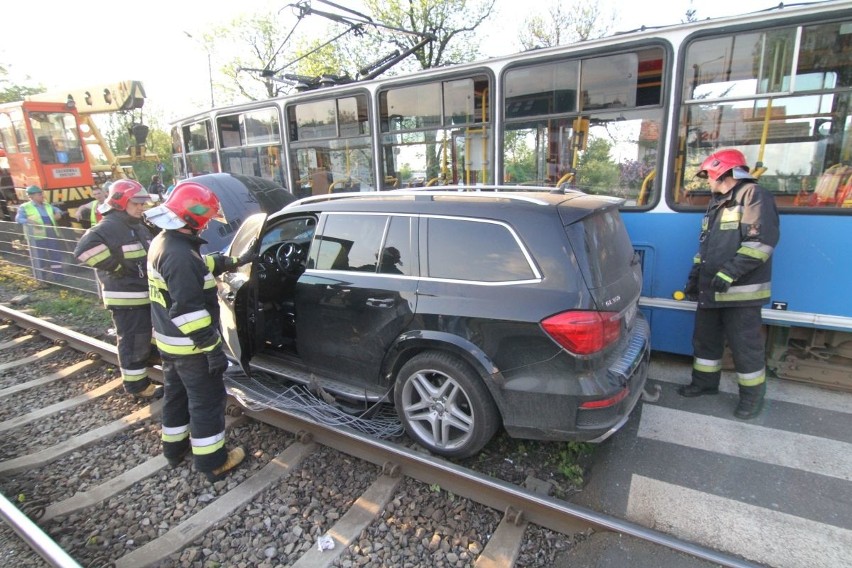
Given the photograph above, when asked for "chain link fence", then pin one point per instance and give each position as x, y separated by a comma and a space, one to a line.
51, 259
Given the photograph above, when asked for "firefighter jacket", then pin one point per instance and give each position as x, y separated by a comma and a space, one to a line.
116, 247
184, 308
739, 233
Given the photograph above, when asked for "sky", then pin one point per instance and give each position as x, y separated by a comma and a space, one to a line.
98, 41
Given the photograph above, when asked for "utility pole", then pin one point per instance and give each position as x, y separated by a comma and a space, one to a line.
209, 66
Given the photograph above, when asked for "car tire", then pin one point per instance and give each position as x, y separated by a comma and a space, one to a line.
444, 405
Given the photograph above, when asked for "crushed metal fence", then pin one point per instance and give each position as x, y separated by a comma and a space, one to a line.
51, 260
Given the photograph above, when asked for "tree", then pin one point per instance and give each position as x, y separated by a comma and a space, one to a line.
10, 92
564, 23
597, 172
269, 46
450, 22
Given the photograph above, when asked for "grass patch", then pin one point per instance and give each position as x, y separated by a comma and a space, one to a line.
67, 307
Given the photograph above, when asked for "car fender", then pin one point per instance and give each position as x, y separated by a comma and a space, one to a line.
413, 342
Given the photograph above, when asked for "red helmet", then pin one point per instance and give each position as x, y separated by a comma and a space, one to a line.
123, 191
721, 162
194, 205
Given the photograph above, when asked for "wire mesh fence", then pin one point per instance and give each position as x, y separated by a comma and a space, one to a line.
50, 259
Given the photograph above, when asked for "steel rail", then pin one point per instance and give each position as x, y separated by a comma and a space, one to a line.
73, 339
37, 540
554, 514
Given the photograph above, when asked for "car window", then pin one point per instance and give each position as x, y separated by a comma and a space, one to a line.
397, 256
350, 242
474, 250
297, 230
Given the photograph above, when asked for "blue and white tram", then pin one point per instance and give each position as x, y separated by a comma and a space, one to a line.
632, 116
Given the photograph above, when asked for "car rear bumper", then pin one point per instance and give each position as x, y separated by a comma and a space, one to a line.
560, 417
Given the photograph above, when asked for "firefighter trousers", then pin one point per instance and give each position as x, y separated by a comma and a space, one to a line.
133, 339
193, 411
741, 326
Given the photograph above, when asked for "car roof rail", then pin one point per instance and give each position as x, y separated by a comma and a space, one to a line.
498, 192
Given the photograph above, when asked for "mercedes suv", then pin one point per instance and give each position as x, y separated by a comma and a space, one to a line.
469, 309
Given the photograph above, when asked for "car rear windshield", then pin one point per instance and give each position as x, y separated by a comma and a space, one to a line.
602, 246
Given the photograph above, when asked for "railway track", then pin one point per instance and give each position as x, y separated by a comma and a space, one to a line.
85, 484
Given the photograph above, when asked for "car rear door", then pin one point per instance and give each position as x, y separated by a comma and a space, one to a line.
236, 295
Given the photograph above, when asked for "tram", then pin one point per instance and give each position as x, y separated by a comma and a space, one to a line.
631, 116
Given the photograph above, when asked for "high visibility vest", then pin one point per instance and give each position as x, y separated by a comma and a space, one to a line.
35, 221
94, 214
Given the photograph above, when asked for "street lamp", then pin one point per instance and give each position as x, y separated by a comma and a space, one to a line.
209, 66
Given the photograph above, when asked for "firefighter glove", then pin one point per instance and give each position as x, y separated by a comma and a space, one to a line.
216, 362
721, 282
690, 290
249, 255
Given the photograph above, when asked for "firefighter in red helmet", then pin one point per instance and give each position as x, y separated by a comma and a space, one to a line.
116, 248
185, 314
730, 279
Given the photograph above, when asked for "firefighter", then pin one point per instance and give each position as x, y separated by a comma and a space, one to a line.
730, 279
186, 329
117, 247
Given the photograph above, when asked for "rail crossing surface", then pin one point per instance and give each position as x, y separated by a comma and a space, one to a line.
776, 490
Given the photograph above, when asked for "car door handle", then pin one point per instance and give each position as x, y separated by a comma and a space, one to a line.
380, 302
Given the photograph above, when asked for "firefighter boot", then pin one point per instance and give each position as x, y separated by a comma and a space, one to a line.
235, 458
693, 390
751, 401
151, 392
176, 461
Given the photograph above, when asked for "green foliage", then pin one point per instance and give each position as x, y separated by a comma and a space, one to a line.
11, 92
597, 172
520, 158
568, 457
452, 23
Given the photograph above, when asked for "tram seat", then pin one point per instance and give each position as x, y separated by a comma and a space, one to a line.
833, 189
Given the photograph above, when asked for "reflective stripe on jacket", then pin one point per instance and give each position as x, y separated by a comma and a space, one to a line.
738, 236
116, 247
184, 308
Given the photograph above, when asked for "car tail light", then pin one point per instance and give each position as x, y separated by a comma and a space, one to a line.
606, 402
583, 333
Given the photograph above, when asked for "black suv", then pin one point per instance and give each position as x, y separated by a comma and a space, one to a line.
469, 308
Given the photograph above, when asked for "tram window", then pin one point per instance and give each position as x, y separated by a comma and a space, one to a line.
177, 146
825, 57
465, 101
409, 108
229, 131
740, 65
610, 82
352, 116
198, 136
795, 131
542, 89
309, 121
262, 127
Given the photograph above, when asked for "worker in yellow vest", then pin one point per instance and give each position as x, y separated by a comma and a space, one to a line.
40, 229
